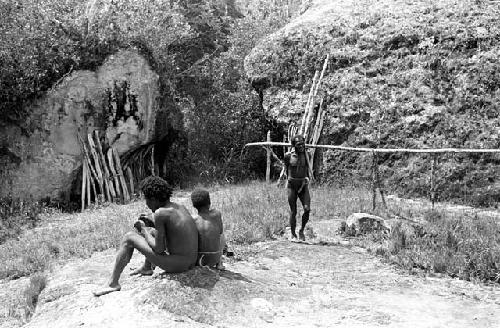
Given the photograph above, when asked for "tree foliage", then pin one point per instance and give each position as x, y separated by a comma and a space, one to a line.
197, 48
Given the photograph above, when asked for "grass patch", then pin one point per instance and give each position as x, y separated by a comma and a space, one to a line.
18, 214
456, 243
460, 245
71, 235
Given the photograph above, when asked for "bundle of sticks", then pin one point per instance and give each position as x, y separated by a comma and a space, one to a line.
102, 175
312, 120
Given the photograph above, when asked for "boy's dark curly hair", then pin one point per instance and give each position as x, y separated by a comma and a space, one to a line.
200, 198
157, 188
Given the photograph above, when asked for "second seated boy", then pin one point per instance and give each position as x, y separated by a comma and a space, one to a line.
211, 239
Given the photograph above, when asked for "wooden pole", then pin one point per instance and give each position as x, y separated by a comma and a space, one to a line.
84, 182
384, 150
153, 160
88, 184
378, 182
374, 183
130, 180
109, 190
268, 156
113, 172
315, 92
308, 104
91, 172
97, 167
92, 178
119, 171
433, 190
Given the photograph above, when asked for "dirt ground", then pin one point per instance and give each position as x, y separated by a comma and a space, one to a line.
322, 283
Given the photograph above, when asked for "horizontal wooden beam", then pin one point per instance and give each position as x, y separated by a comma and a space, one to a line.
381, 150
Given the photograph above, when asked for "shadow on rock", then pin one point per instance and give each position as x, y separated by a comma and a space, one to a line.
233, 276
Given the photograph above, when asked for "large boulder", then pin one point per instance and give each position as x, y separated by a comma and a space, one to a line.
120, 99
361, 223
400, 75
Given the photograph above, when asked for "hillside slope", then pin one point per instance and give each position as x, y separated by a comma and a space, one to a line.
401, 74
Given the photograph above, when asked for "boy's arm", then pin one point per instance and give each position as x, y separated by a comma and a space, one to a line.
159, 245
146, 233
286, 161
219, 221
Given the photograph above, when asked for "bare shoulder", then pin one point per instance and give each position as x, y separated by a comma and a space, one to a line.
215, 213
165, 211
197, 218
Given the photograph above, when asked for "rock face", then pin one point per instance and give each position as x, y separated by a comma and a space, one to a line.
400, 75
119, 100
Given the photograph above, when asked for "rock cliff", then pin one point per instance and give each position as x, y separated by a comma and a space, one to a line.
401, 74
119, 99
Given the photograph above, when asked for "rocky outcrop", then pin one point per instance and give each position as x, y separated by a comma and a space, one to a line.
120, 99
360, 223
400, 74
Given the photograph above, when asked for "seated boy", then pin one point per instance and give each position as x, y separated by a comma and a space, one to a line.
211, 240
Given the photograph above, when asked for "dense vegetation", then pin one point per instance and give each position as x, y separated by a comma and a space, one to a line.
196, 47
401, 74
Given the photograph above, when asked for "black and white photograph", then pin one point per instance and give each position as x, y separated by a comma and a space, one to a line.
249, 163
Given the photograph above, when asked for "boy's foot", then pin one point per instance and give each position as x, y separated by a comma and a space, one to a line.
142, 271
107, 290
293, 236
220, 266
301, 235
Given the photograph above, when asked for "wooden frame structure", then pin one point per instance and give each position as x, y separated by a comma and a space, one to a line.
376, 181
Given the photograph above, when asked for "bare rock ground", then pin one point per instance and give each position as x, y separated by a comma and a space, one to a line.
322, 283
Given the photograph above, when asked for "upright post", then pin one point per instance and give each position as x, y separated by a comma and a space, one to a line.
374, 181
268, 154
433, 187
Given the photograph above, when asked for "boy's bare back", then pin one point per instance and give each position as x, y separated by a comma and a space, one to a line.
209, 226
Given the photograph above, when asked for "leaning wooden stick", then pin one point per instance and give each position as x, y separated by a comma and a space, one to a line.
108, 184
84, 183
119, 171
114, 176
268, 159
130, 179
374, 183
97, 169
90, 168
88, 184
309, 100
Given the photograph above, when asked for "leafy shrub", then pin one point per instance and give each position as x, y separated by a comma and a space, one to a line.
16, 215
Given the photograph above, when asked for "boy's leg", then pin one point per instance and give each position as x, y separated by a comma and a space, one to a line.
292, 201
122, 259
169, 263
222, 244
147, 269
305, 199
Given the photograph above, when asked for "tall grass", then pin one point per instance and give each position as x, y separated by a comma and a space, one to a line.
462, 246
72, 235
18, 214
459, 244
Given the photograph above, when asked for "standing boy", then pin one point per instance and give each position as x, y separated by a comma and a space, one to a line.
297, 169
